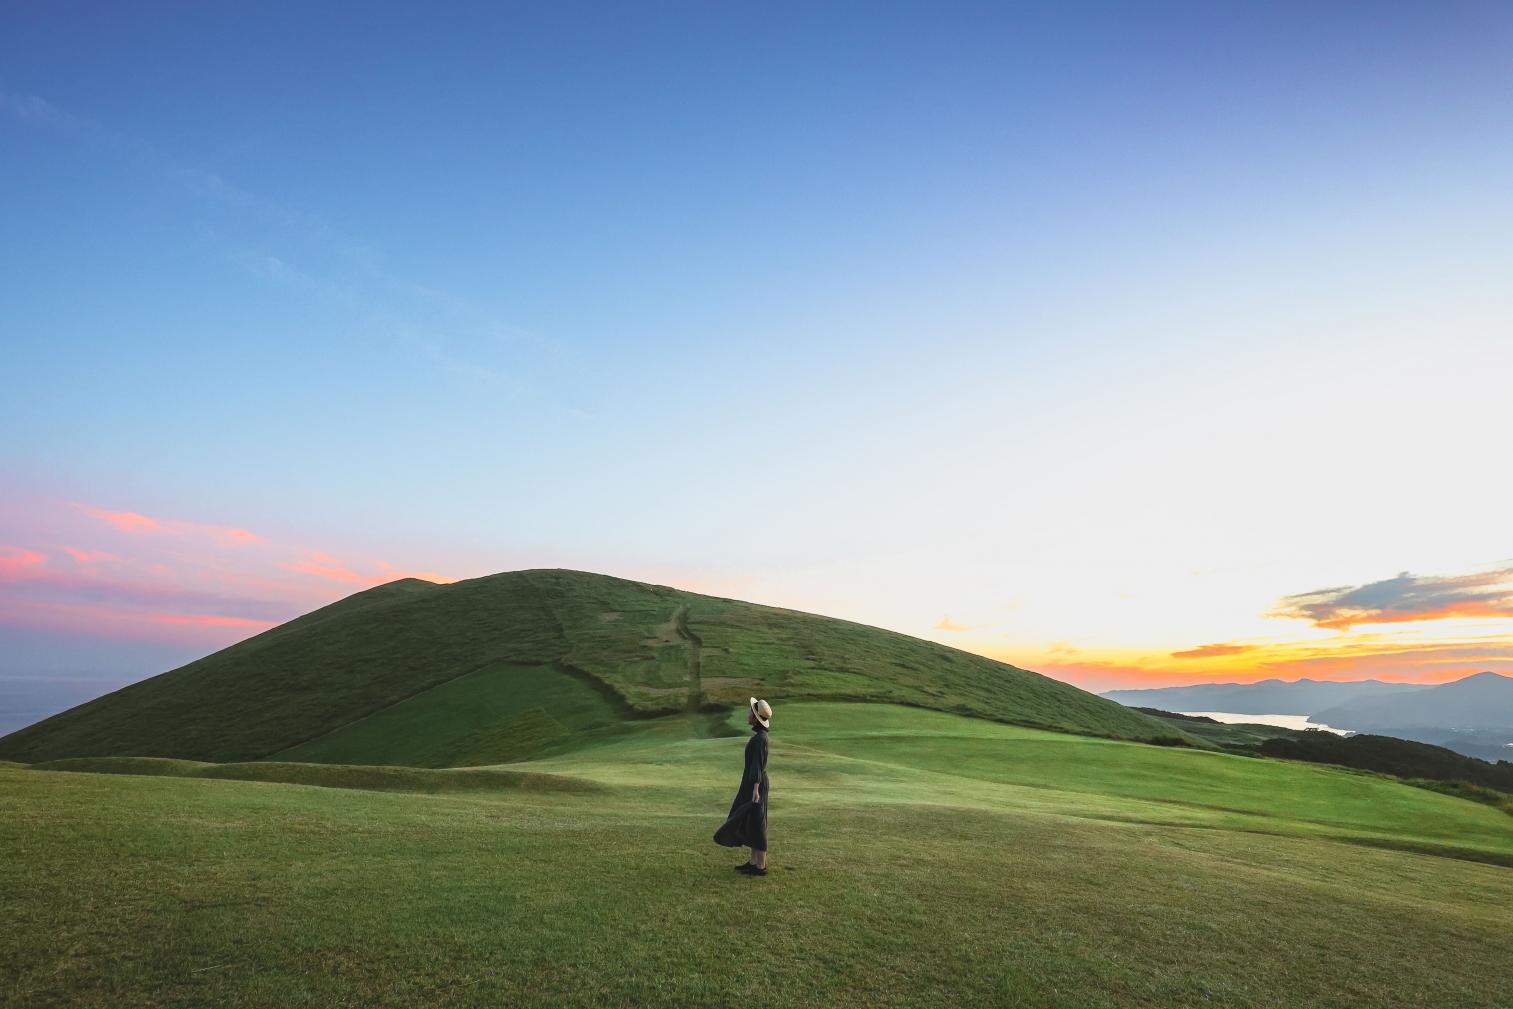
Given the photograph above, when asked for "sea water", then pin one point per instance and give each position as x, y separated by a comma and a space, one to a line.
1282, 721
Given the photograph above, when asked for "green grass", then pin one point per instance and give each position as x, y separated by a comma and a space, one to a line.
490, 716
363, 777
920, 859
414, 655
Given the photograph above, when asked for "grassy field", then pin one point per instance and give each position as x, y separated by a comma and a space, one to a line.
920, 859
582, 646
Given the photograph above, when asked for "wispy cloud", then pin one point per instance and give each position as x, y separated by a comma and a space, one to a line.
308, 255
1213, 651
17, 563
328, 568
134, 524
85, 557
949, 625
126, 522
319, 565
153, 160
1405, 598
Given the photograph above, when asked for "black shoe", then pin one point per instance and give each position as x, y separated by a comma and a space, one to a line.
744, 867
752, 870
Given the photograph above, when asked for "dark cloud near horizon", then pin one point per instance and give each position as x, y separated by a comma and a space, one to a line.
1405, 598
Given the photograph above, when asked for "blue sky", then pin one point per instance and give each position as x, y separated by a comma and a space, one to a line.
935, 316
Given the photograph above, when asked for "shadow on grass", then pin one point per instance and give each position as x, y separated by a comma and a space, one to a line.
363, 777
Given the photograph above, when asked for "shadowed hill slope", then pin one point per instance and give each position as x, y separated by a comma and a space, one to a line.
550, 653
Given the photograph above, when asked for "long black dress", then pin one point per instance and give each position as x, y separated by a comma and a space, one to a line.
746, 824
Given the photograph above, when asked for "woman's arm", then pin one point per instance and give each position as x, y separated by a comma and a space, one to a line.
761, 766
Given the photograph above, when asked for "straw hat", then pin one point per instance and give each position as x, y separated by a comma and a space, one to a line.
763, 712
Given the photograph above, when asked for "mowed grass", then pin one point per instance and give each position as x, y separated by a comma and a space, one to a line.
920, 859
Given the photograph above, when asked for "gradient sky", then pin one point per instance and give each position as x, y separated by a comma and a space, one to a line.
1135, 346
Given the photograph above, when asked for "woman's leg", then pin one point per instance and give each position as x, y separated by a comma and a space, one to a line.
759, 858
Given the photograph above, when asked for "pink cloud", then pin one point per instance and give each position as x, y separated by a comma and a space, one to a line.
126, 522
320, 565
18, 563
134, 524
117, 574
85, 558
324, 566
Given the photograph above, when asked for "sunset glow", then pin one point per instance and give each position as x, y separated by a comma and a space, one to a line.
1160, 352
188, 583
198, 585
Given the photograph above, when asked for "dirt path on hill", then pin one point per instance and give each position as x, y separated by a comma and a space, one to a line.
695, 647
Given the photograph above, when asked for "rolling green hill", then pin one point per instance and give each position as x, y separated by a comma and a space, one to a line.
919, 859
499, 668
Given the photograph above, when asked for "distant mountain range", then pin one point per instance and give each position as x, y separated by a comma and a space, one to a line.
1265, 697
1473, 715
1483, 701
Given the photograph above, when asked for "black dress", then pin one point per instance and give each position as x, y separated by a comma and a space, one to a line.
746, 825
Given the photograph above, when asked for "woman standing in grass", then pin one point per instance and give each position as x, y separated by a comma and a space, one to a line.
746, 824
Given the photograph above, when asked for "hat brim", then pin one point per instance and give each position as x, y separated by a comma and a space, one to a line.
751, 706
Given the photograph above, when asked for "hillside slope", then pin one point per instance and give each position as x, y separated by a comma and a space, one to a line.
549, 652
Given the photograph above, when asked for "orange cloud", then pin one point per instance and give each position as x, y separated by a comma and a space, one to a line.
1212, 651
1472, 608
947, 624
1355, 657
17, 563
1404, 599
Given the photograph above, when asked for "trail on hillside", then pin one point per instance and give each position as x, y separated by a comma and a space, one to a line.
695, 646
